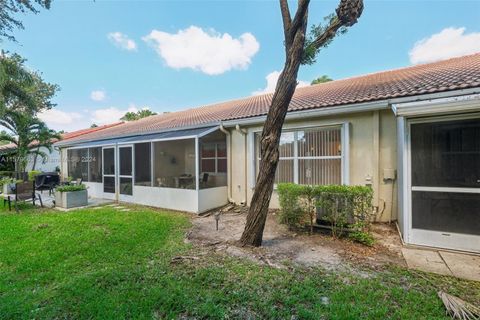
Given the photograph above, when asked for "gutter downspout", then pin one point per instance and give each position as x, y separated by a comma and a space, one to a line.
244, 133
376, 162
229, 165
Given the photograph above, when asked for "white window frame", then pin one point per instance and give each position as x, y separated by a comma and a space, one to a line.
216, 157
88, 162
344, 156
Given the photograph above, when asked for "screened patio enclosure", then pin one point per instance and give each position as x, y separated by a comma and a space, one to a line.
181, 170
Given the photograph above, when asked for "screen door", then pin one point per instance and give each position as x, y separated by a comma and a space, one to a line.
445, 183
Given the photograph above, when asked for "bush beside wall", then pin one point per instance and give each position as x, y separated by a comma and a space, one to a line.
341, 207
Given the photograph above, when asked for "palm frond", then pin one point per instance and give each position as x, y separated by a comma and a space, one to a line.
458, 308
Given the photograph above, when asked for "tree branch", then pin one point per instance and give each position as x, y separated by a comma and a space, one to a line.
287, 21
326, 36
300, 14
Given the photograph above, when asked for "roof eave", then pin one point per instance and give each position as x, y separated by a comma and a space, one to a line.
72, 143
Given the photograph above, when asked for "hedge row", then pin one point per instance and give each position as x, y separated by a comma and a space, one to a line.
339, 205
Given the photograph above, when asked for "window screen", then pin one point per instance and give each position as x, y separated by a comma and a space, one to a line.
143, 164
95, 165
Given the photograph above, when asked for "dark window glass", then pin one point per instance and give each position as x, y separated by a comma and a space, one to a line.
446, 212
446, 154
143, 164
109, 161
126, 161
208, 150
126, 186
109, 184
222, 165
208, 165
95, 165
221, 150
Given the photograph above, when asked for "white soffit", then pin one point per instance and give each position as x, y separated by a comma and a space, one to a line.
458, 104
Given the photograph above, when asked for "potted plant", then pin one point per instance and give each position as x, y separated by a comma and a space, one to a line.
71, 196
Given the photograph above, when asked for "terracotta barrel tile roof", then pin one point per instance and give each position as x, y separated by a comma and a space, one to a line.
452, 74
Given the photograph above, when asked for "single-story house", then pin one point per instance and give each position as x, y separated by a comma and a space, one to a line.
51, 162
412, 134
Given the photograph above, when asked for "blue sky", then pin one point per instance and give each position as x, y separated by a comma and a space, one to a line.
102, 50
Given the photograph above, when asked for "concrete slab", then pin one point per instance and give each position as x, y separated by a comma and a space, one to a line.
462, 265
425, 260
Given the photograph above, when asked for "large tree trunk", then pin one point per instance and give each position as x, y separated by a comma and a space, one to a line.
270, 140
347, 14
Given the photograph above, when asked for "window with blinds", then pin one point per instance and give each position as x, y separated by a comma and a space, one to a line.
214, 157
308, 156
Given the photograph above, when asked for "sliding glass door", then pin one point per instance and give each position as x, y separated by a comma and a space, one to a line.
445, 183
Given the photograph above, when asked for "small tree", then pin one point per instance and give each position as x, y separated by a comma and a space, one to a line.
28, 134
322, 79
10, 8
298, 49
21, 89
132, 116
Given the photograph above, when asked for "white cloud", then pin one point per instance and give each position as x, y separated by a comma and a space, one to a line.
448, 43
209, 52
109, 115
70, 121
122, 41
56, 116
272, 79
98, 95
63, 120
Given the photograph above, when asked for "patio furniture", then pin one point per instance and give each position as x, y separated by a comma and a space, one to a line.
47, 181
23, 191
185, 180
204, 180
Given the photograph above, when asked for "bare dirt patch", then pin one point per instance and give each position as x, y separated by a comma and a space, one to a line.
282, 246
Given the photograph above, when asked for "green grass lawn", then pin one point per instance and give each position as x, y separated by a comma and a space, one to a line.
111, 265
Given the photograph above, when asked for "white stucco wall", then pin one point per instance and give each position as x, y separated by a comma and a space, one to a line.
211, 198
49, 164
168, 198
95, 189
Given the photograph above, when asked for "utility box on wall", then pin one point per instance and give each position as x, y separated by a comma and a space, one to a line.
389, 174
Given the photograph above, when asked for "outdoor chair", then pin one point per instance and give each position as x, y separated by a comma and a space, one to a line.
23, 191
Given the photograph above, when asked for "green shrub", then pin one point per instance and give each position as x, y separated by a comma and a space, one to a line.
362, 237
71, 188
291, 213
341, 206
32, 174
7, 173
6, 180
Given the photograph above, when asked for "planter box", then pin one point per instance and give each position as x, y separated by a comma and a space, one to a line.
71, 199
